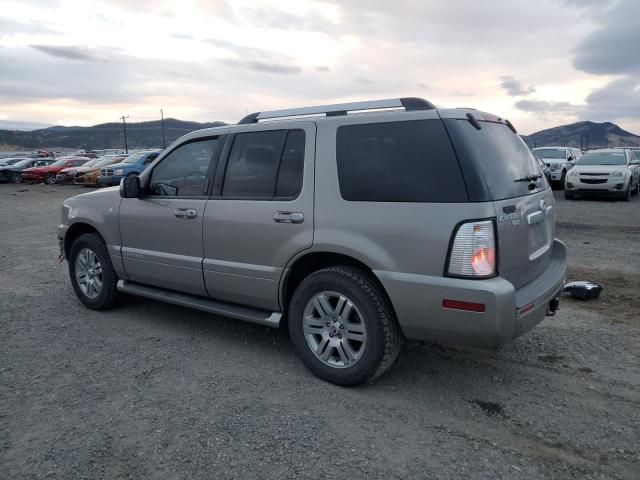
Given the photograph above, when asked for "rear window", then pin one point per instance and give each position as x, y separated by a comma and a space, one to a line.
505, 160
410, 161
558, 153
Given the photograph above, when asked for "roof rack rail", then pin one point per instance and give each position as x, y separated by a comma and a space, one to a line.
408, 103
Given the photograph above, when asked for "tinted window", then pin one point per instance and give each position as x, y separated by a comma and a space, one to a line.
184, 171
253, 163
504, 158
409, 161
289, 181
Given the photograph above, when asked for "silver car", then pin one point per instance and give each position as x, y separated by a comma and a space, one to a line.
559, 160
613, 172
354, 225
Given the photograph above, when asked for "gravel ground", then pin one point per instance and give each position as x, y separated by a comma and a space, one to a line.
156, 391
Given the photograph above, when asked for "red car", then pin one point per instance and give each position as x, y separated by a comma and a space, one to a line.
47, 174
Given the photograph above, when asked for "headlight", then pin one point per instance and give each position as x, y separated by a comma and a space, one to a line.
573, 173
619, 174
119, 172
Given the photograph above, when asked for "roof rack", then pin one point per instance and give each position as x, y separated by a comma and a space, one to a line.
408, 103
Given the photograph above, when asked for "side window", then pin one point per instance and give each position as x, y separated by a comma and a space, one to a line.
253, 164
183, 172
410, 161
289, 182
150, 158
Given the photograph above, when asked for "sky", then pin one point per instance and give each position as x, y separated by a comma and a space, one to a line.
540, 64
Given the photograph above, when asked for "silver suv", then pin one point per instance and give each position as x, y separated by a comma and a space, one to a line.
354, 226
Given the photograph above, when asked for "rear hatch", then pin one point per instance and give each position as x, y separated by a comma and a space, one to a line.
523, 201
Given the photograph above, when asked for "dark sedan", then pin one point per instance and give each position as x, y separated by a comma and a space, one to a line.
13, 173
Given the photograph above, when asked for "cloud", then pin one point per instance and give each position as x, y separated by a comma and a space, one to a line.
9, 27
514, 87
182, 36
619, 99
612, 49
544, 107
69, 52
256, 59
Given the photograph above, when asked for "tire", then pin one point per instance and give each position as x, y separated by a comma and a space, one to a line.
367, 315
562, 179
16, 178
627, 195
569, 196
636, 190
108, 295
50, 179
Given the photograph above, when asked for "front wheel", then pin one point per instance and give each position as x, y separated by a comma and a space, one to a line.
627, 195
562, 179
569, 196
16, 178
343, 327
92, 274
50, 179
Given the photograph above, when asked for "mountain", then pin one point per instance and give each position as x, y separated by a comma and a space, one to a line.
583, 134
106, 135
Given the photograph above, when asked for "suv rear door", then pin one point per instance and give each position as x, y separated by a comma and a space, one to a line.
524, 204
261, 212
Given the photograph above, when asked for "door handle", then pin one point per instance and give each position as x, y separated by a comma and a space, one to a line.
185, 213
288, 217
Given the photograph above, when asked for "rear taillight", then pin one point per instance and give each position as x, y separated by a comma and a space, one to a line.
473, 250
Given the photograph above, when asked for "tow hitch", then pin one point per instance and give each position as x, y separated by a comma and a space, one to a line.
553, 306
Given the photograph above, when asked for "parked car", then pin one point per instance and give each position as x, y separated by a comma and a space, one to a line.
66, 175
613, 172
544, 169
559, 160
355, 230
88, 174
13, 173
133, 165
47, 173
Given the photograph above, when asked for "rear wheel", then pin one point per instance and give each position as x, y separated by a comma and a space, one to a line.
343, 327
16, 177
50, 179
92, 274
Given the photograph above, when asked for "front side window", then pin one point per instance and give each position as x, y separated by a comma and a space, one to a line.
183, 173
265, 165
411, 161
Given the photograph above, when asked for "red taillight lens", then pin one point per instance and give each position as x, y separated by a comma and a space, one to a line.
473, 250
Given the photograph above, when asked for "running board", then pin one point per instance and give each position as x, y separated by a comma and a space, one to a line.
248, 314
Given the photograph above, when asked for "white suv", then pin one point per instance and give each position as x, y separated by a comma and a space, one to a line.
559, 160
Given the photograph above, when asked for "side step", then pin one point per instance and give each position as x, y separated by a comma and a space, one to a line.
248, 314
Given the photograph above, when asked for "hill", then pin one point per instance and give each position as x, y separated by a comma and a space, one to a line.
106, 135
583, 134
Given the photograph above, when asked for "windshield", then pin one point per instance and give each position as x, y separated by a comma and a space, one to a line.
102, 161
59, 163
93, 162
507, 163
136, 157
550, 153
22, 163
603, 158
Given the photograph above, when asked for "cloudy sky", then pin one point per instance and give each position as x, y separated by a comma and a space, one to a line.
540, 63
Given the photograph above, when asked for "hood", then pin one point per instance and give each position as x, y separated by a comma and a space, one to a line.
69, 170
599, 168
118, 165
43, 169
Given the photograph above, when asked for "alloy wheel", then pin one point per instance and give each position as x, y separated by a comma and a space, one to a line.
88, 273
334, 329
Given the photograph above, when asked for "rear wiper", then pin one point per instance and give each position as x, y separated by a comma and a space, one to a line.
530, 178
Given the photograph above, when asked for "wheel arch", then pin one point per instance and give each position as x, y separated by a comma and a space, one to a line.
309, 262
76, 230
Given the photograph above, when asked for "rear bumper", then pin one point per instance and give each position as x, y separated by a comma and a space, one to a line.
418, 300
109, 181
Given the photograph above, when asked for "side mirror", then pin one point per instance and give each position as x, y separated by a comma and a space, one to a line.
130, 187
570, 158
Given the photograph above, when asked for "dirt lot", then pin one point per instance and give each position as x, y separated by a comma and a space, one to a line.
156, 391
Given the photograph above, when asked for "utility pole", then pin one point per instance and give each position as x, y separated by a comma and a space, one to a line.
124, 129
164, 145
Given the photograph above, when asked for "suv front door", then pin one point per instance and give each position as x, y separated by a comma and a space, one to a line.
161, 231
260, 214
